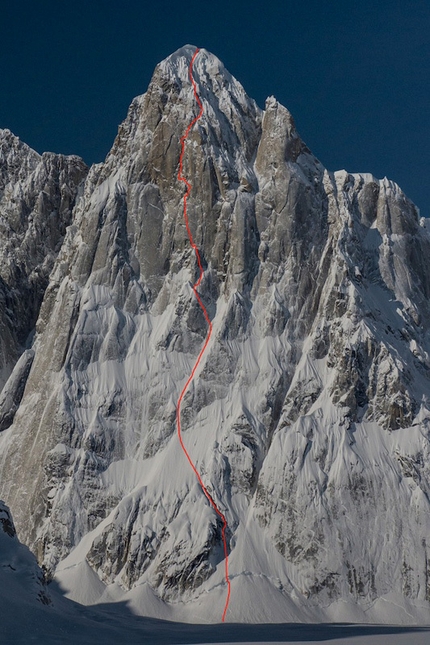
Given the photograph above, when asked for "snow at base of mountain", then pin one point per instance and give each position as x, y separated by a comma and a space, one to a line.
33, 612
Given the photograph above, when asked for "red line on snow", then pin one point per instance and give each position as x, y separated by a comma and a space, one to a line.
205, 313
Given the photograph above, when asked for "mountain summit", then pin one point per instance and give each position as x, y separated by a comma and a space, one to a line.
308, 418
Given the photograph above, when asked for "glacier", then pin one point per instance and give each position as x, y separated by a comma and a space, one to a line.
309, 415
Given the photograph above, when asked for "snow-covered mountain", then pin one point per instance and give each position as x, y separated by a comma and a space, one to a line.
308, 417
37, 196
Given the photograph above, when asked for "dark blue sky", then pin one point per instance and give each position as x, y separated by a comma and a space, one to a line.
355, 75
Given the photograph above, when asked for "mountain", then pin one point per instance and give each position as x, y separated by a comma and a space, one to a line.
37, 196
308, 417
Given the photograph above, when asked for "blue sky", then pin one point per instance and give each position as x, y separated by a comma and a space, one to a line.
355, 75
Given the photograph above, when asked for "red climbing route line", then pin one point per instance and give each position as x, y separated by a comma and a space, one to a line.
205, 313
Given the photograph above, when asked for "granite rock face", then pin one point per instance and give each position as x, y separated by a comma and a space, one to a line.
308, 418
37, 196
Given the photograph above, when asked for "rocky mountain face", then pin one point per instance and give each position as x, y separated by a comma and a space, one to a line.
308, 418
37, 196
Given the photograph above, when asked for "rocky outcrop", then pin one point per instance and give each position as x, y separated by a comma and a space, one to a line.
12, 393
308, 418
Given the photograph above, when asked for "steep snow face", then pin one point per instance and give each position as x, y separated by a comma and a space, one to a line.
37, 196
308, 416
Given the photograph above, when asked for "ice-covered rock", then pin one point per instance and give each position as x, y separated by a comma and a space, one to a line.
37, 196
